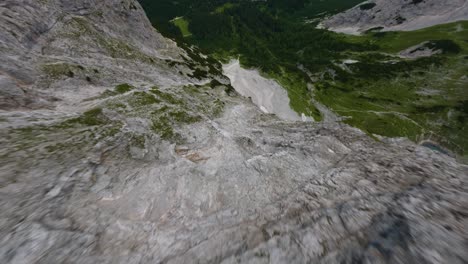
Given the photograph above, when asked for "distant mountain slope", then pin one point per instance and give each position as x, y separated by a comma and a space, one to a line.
397, 15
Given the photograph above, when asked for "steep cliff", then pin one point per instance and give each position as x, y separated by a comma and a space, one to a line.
117, 146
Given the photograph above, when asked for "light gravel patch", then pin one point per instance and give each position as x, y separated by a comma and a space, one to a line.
267, 94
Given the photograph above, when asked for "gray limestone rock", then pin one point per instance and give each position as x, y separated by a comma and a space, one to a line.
397, 15
172, 170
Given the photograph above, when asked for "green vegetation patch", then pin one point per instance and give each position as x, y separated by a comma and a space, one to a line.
93, 117
163, 127
165, 119
445, 45
183, 26
138, 99
167, 111
381, 93
167, 97
123, 88
181, 116
119, 89
387, 124
299, 96
224, 7
421, 98
138, 140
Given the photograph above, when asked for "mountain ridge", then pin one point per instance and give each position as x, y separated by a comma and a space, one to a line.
127, 148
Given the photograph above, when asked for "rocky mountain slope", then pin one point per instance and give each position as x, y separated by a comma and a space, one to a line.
117, 146
42, 42
397, 15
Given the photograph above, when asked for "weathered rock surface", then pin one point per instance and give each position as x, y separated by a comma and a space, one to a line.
186, 172
58, 50
397, 15
421, 50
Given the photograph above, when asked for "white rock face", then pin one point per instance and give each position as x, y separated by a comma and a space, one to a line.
186, 173
397, 15
267, 94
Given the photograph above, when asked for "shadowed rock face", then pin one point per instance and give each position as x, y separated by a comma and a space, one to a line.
397, 15
185, 172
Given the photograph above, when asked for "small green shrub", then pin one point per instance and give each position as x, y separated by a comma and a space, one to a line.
447, 46
142, 98
166, 96
163, 127
123, 88
93, 117
184, 117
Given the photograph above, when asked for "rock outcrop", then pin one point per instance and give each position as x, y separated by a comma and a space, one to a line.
397, 15
53, 47
117, 146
